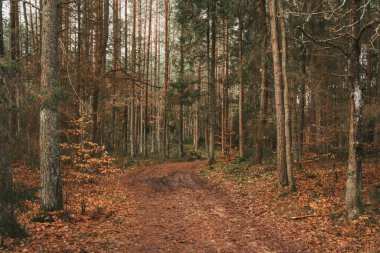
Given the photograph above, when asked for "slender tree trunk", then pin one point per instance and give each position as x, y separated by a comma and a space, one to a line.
180, 89
116, 65
281, 157
241, 91
354, 172
32, 30
301, 113
14, 55
212, 83
147, 80
26, 39
51, 183
157, 76
98, 66
288, 133
125, 114
133, 95
264, 87
79, 58
2, 52
166, 81
225, 93
197, 106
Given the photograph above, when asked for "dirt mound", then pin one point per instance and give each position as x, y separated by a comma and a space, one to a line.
175, 180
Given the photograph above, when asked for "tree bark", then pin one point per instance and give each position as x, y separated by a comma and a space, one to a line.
180, 91
241, 91
288, 132
147, 80
51, 183
354, 172
212, 87
2, 53
133, 93
281, 158
264, 87
225, 93
166, 83
8, 225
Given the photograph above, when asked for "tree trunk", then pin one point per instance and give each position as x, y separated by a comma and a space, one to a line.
133, 93
301, 112
264, 87
8, 224
354, 172
288, 133
78, 59
14, 55
147, 80
180, 91
51, 183
98, 66
116, 65
225, 93
2, 53
281, 158
26, 39
166, 82
212, 83
241, 91
126, 114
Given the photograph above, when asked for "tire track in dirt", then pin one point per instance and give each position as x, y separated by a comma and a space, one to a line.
176, 210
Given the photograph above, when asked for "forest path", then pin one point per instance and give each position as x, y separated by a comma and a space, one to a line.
177, 210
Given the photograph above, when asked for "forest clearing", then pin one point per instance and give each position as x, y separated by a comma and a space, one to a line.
189, 126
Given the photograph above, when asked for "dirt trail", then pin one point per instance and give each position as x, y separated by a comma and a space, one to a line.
176, 210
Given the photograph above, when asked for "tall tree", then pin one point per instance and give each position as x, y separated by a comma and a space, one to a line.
51, 183
263, 86
354, 172
14, 55
288, 134
1, 31
166, 83
147, 79
181, 89
281, 158
241, 90
7, 220
133, 93
212, 85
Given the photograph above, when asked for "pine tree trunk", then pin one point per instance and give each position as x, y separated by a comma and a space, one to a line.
166, 82
133, 93
180, 89
98, 66
354, 172
212, 83
51, 183
301, 113
26, 39
7, 221
264, 87
79, 59
147, 80
288, 133
14, 55
281, 157
241, 91
1, 31
225, 93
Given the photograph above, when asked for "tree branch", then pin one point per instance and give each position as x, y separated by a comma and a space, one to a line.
324, 42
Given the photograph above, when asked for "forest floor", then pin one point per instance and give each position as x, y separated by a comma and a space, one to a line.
191, 207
